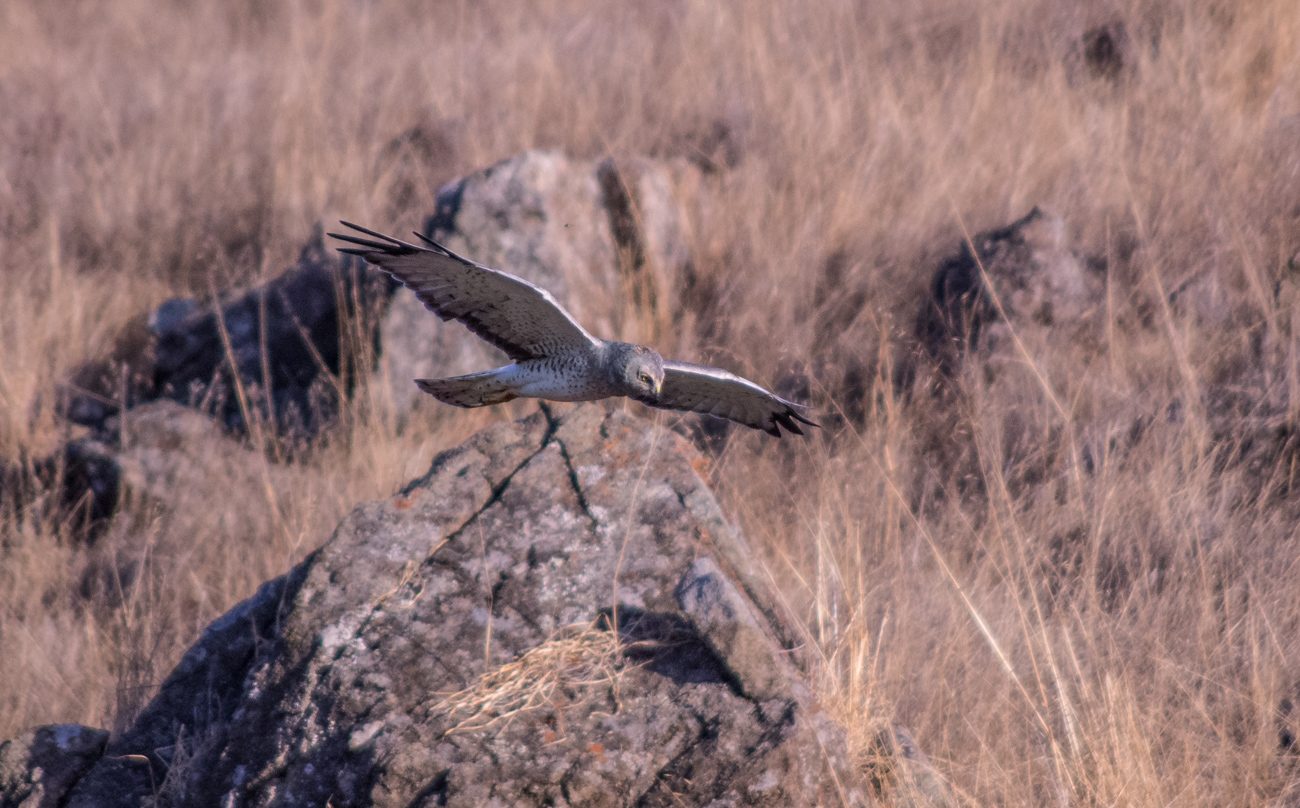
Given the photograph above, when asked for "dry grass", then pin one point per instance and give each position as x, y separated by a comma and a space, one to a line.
1075, 579
579, 657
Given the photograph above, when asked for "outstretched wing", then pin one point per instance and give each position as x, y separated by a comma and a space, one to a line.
713, 391
519, 318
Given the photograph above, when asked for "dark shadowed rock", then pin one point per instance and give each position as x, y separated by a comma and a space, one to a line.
558, 613
283, 334
78, 484
604, 237
197, 698
1034, 281
38, 767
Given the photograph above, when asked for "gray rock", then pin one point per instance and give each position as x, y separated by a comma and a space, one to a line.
282, 335
195, 702
732, 629
164, 448
600, 236
1034, 282
147, 455
38, 767
557, 613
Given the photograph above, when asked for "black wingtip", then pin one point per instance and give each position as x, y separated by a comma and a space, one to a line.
800, 417
436, 247
787, 420
370, 246
368, 232
427, 240
385, 244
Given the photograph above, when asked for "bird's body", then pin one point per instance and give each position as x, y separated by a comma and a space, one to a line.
554, 357
567, 376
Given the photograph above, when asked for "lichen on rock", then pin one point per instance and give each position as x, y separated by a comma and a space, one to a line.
557, 613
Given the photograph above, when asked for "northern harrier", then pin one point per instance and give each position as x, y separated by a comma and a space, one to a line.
554, 357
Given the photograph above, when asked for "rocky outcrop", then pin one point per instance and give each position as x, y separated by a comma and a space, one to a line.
38, 767
604, 237
557, 613
282, 335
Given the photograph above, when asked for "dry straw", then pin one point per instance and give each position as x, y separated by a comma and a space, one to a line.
544, 676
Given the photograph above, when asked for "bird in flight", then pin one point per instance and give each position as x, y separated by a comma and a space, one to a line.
552, 356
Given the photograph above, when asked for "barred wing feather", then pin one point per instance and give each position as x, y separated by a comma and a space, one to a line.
521, 319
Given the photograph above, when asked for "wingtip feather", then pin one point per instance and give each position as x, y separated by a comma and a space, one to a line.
371, 246
368, 231
794, 412
386, 244
436, 247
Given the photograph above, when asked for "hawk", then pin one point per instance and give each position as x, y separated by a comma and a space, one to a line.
553, 356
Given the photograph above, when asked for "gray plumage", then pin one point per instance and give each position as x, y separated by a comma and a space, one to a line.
554, 357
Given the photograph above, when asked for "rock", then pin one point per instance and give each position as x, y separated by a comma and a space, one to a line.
179, 351
1034, 277
165, 448
557, 613
39, 767
604, 237
147, 456
77, 484
198, 697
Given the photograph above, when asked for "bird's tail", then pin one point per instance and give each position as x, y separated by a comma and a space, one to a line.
474, 390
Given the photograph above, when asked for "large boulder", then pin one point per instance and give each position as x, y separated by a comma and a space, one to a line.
606, 238
558, 613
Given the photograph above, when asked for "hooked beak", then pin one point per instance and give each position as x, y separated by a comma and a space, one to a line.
659, 386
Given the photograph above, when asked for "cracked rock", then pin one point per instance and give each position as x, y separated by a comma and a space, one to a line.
558, 613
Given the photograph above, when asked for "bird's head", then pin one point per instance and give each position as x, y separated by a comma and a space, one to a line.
641, 371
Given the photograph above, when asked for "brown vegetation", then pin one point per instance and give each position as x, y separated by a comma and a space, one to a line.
1075, 579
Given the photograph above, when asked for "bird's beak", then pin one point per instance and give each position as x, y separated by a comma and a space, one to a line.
659, 386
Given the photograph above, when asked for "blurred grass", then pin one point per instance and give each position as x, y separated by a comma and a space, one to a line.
1076, 586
